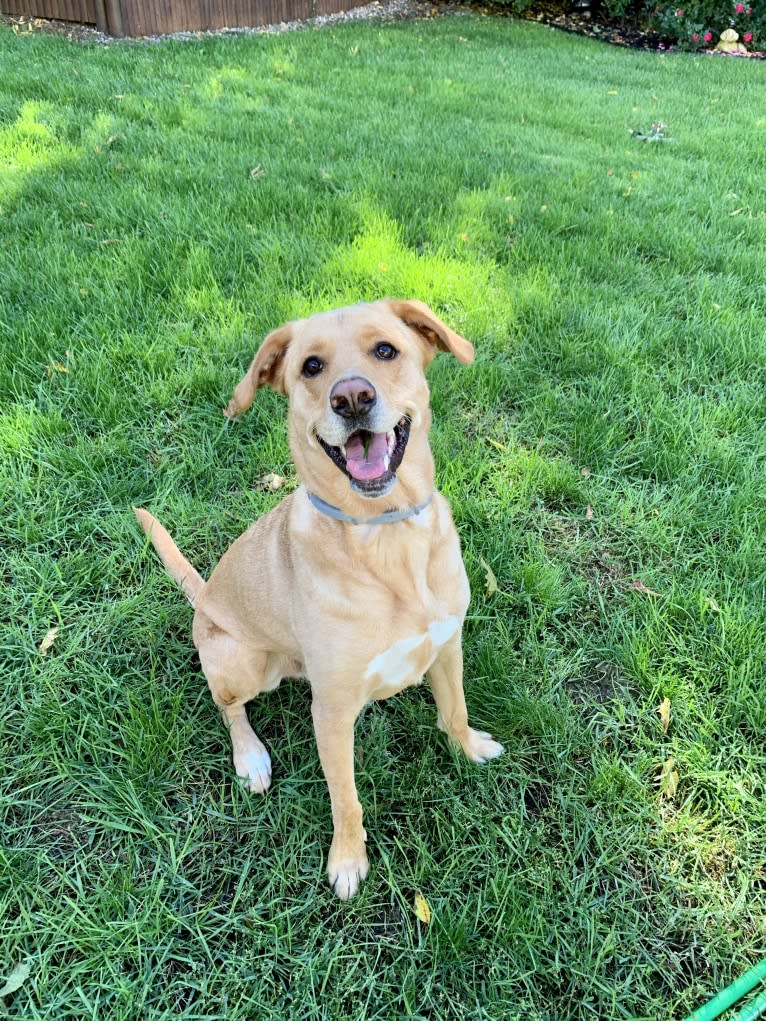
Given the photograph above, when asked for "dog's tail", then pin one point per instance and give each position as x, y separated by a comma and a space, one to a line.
176, 564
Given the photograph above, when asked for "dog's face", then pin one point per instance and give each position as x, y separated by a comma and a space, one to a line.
355, 379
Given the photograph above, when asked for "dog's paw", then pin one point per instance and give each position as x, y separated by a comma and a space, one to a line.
254, 770
346, 871
346, 877
481, 747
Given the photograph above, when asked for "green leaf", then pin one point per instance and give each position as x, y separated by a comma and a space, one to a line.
16, 979
491, 579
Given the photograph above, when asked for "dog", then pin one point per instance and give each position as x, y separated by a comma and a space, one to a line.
355, 580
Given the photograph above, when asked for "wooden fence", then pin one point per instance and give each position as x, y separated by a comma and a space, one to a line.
154, 17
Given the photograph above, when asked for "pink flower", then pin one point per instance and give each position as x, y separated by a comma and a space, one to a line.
747, 37
695, 37
680, 12
708, 37
739, 8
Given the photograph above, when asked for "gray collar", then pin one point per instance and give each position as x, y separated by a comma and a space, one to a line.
380, 519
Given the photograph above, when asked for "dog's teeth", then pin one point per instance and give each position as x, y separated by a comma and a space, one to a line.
386, 462
391, 438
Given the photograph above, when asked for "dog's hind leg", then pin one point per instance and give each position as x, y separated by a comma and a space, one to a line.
236, 673
446, 680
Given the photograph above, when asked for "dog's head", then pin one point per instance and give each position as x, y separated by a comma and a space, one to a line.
359, 413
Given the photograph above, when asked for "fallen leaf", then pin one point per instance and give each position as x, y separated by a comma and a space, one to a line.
664, 710
712, 604
589, 515
48, 641
422, 909
496, 445
272, 481
638, 586
52, 367
258, 171
16, 979
668, 779
490, 577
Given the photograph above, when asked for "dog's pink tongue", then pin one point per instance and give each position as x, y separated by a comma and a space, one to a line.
371, 465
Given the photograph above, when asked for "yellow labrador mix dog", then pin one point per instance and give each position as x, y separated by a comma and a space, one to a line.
355, 580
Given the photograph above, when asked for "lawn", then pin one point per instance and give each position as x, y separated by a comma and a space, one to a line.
162, 206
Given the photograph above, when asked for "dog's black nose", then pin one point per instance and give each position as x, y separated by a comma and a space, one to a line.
353, 397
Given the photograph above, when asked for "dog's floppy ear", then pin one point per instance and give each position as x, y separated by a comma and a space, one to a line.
419, 316
267, 368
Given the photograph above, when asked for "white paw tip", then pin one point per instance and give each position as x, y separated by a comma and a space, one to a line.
254, 771
483, 747
345, 879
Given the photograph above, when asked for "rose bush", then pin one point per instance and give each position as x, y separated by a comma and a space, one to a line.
697, 25
692, 25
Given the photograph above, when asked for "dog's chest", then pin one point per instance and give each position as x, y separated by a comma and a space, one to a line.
405, 661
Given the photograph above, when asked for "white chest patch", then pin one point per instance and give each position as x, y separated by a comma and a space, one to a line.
407, 660
442, 630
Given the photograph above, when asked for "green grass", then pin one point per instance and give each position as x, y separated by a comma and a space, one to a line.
611, 430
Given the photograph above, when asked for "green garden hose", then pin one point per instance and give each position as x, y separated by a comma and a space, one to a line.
753, 1009
735, 992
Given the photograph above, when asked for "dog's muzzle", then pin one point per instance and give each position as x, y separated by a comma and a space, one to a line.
369, 459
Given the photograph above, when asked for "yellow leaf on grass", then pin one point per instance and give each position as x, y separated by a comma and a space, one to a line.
52, 367
48, 641
668, 779
664, 710
638, 586
422, 909
491, 579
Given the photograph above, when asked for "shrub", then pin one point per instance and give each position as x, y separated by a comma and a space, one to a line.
697, 25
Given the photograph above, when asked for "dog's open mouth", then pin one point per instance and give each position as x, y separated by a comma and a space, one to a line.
370, 459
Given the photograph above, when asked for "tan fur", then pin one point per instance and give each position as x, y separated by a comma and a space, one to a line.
360, 610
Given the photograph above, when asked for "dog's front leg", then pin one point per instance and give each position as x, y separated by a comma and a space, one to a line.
446, 680
347, 862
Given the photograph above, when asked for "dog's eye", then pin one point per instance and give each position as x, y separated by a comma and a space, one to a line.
386, 352
312, 367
